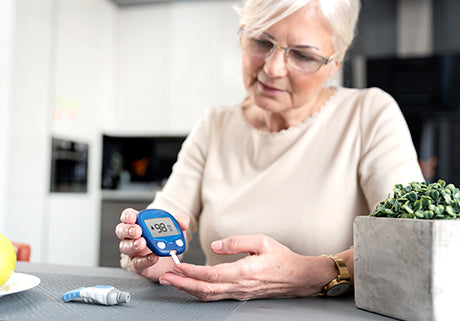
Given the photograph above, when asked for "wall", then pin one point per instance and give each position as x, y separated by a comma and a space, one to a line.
82, 91
27, 154
6, 21
173, 62
62, 71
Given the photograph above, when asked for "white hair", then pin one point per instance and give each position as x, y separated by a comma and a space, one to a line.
258, 15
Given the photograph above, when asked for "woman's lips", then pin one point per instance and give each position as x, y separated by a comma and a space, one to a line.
270, 90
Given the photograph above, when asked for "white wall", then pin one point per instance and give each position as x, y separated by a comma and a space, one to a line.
82, 88
62, 72
28, 150
6, 20
174, 61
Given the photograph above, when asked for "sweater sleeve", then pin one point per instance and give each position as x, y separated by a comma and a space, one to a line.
182, 192
388, 156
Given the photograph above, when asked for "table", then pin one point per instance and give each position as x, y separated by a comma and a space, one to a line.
151, 301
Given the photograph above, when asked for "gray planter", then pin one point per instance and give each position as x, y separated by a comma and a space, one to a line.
408, 269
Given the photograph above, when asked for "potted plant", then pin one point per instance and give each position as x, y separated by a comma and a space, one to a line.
407, 253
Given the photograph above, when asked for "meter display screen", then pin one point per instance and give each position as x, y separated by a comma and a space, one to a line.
161, 226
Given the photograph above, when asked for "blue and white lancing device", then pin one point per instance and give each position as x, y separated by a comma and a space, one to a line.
161, 232
99, 294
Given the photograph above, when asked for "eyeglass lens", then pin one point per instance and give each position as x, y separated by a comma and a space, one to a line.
299, 59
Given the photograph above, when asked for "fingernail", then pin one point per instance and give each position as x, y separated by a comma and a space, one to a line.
217, 245
136, 244
150, 257
164, 282
132, 231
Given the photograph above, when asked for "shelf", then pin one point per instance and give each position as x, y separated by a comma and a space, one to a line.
128, 195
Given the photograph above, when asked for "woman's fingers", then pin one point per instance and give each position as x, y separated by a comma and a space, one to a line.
128, 231
129, 216
134, 247
140, 256
209, 283
222, 273
252, 244
183, 220
141, 263
204, 290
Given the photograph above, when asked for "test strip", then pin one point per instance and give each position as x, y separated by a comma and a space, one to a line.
174, 256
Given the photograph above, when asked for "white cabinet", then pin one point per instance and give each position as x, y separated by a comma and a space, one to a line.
174, 61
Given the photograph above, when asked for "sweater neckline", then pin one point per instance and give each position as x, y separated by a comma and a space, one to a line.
326, 106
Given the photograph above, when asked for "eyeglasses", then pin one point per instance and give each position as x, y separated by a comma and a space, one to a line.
299, 59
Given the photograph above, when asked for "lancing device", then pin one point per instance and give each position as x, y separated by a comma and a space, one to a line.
99, 294
162, 233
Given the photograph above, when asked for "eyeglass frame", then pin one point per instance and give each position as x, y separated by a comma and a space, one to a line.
324, 60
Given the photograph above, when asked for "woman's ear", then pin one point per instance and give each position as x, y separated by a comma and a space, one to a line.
335, 67
338, 63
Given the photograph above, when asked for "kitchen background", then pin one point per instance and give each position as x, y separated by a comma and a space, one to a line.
96, 97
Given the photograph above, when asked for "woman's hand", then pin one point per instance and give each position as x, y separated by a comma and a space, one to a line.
270, 270
142, 260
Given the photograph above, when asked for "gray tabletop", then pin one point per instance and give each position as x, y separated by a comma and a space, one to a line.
151, 301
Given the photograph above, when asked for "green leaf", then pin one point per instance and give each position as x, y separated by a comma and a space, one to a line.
412, 196
418, 205
426, 201
389, 212
439, 210
450, 211
457, 197
450, 187
426, 214
408, 208
447, 198
434, 195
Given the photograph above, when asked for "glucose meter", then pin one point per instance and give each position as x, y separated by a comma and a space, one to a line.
161, 232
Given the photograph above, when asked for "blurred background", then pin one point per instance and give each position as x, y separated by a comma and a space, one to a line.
97, 96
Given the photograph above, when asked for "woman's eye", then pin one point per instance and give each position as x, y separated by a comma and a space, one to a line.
302, 56
265, 44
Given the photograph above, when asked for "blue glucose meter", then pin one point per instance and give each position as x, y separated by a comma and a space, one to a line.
161, 232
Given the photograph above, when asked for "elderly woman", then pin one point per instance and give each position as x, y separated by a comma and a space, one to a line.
276, 181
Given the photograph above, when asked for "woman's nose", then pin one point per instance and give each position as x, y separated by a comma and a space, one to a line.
275, 64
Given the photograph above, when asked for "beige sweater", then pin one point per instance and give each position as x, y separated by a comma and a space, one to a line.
302, 186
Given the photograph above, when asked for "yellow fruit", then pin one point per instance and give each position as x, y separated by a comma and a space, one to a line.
7, 259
